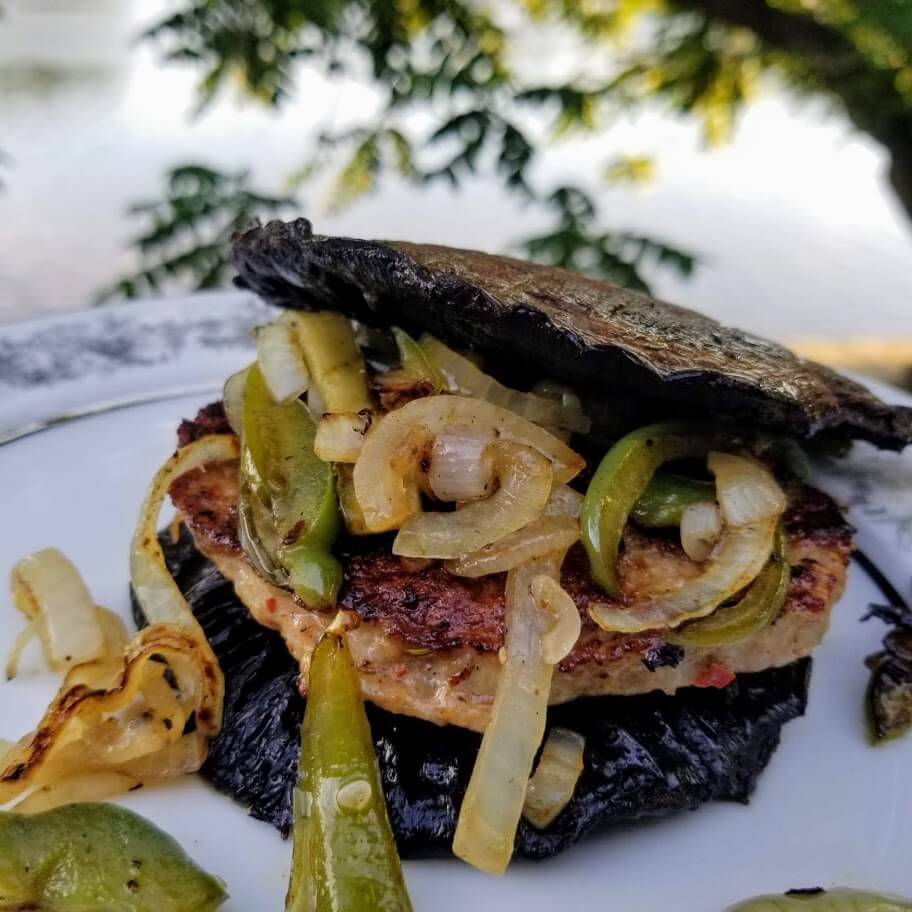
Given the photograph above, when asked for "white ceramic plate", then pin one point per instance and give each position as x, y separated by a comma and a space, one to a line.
829, 810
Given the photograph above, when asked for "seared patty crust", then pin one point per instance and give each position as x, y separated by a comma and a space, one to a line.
427, 641
646, 755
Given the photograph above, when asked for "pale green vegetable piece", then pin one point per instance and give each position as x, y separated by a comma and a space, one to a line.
839, 900
98, 858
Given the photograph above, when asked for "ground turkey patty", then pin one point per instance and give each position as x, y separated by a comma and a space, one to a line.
427, 643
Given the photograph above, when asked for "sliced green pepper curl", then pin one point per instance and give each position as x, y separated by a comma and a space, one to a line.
335, 362
344, 857
622, 478
663, 503
98, 856
756, 609
289, 510
416, 363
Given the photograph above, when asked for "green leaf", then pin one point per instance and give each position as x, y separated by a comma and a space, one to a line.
630, 169
187, 233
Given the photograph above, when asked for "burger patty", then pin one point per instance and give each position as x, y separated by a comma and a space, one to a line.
427, 642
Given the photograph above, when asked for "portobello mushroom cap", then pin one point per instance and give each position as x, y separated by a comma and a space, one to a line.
631, 358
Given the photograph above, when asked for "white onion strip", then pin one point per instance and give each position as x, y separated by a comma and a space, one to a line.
281, 359
462, 466
384, 476
158, 595
538, 538
746, 489
566, 625
49, 591
493, 802
701, 526
525, 478
15, 652
155, 590
552, 784
465, 377
340, 435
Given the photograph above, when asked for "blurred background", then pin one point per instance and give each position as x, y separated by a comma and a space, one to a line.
752, 160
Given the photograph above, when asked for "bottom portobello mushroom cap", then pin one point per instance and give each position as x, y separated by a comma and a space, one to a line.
646, 755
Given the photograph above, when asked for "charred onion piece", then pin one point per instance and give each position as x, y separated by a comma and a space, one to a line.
465, 377
49, 591
281, 358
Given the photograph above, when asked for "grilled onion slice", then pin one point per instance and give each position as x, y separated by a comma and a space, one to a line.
525, 477
745, 488
49, 591
386, 470
462, 466
552, 784
127, 714
538, 538
281, 358
561, 411
493, 802
701, 526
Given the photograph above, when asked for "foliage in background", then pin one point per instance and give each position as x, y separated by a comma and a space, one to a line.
576, 243
188, 232
454, 60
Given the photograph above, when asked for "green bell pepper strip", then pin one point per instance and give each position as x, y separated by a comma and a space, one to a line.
663, 503
622, 478
98, 856
344, 857
757, 608
415, 362
281, 472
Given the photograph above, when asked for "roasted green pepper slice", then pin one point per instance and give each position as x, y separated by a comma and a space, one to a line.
817, 900
621, 479
344, 857
83, 857
289, 503
756, 609
416, 374
416, 363
663, 503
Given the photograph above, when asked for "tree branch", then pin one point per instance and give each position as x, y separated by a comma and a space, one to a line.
830, 61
